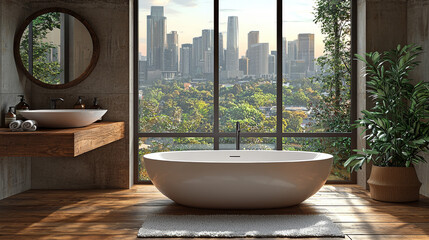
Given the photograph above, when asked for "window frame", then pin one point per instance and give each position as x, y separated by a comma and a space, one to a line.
216, 134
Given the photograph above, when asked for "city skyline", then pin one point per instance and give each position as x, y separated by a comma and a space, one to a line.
253, 16
198, 58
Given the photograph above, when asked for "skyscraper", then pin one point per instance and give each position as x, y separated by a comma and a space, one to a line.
232, 45
197, 55
142, 71
284, 57
207, 38
156, 27
207, 48
221, 52
258, 59
171, 55
292, 50
243, 63
306, 49
208, 62
186, 60
272, 62
252, 38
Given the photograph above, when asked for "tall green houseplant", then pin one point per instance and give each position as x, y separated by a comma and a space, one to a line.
397, 128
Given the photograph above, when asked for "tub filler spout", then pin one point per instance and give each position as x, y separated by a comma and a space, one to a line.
237, 136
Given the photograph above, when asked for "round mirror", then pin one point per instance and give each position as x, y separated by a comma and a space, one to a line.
56, 48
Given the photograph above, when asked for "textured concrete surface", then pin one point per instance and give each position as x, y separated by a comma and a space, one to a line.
382, 25
15, 173
418, 33
108, 166
12, 83
363, 174
386, 24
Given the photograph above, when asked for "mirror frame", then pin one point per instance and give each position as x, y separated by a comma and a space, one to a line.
88, 70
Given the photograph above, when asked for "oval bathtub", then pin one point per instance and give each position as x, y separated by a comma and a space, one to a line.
238, 179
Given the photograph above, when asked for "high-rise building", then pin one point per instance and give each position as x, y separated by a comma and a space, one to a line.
284, 57
208, 62
207, 39
306, 49
243, 65
197, 55
142, 73
232, 45
207, 47
258, 59
186, 60
272, 62
156, 27
292, 50
297, 69
221, 52
252, 38
171, 53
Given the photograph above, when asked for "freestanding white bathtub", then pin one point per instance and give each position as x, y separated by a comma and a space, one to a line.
238, 179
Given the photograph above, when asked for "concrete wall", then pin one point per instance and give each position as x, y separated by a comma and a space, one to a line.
15, 173
382, 25
363, 174
385, 24
108, 166
418, 32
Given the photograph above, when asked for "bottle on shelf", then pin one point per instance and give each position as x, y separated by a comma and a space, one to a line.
79, 104
95, 105
22, 105
9, 117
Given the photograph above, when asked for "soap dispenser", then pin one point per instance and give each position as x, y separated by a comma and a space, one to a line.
79, 104
22, 105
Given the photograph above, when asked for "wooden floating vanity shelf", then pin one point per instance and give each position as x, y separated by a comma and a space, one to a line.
69, 142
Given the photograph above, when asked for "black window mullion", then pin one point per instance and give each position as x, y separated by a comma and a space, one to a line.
135, 121
279, 129
216, 76
250, 134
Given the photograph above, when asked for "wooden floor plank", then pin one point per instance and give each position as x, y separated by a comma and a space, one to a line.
389, 237
385, 228
117, 214
128, 237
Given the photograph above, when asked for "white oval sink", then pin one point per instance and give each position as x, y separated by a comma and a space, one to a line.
64, 118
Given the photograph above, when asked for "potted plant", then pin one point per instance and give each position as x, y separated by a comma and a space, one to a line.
396, 128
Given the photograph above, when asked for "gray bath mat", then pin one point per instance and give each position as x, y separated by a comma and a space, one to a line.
239, 226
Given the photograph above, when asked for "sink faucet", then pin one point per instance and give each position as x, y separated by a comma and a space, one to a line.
54, 102
237, 136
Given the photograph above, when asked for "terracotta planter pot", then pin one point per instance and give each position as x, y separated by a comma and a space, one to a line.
394, 184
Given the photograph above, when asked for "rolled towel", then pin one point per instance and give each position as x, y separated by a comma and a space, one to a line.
29, 125
32, 129
16, 126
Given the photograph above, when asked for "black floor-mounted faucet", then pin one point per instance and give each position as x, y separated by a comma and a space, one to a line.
237, 136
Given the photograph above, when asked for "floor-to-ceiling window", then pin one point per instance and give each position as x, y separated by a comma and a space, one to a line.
204, 65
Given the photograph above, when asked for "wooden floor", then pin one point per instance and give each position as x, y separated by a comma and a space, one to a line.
118, 214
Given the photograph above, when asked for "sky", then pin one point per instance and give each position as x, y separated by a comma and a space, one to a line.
189, 17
